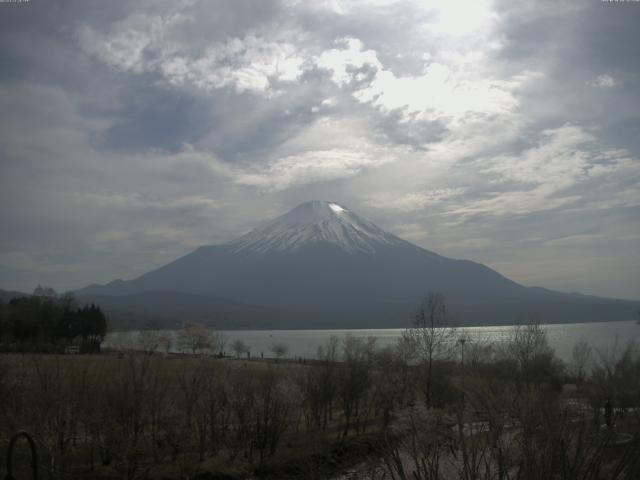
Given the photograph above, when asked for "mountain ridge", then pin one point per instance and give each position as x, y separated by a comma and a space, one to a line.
332, 266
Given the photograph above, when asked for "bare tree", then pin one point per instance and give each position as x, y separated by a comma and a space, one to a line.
218, 342
529, 349
157, 403
616, 376
581, 359
308, 381
271, 412
328, 356
405, 354
51, 410
387, 383
239, 348
279, 350
165, 342
355, 377
242, 400
195, 337
216, 404
431, 335
149, 341
527, 341
414, 447
125, 400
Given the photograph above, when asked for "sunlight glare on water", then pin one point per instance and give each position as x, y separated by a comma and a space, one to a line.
602, 336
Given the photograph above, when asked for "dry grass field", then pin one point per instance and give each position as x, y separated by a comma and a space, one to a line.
389, 414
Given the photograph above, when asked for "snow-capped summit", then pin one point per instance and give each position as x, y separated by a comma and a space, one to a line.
316, 222
322, 266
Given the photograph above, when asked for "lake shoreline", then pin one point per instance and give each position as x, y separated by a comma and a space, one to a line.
305, 343
409, 325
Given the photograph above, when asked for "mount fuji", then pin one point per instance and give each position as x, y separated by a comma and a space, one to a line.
323, 266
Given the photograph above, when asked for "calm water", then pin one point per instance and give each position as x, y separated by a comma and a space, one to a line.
304, 343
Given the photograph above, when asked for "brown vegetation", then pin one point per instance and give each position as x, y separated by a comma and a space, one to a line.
502, 415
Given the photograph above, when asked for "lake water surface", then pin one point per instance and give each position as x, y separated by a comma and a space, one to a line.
603, 336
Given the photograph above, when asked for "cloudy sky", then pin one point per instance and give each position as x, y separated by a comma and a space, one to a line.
507, 132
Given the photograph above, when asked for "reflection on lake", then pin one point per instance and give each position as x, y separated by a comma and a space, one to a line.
304, 343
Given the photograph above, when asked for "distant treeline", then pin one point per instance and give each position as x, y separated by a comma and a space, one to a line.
48, 322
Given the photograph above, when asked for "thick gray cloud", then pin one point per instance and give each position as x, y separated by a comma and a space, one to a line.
504, 132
